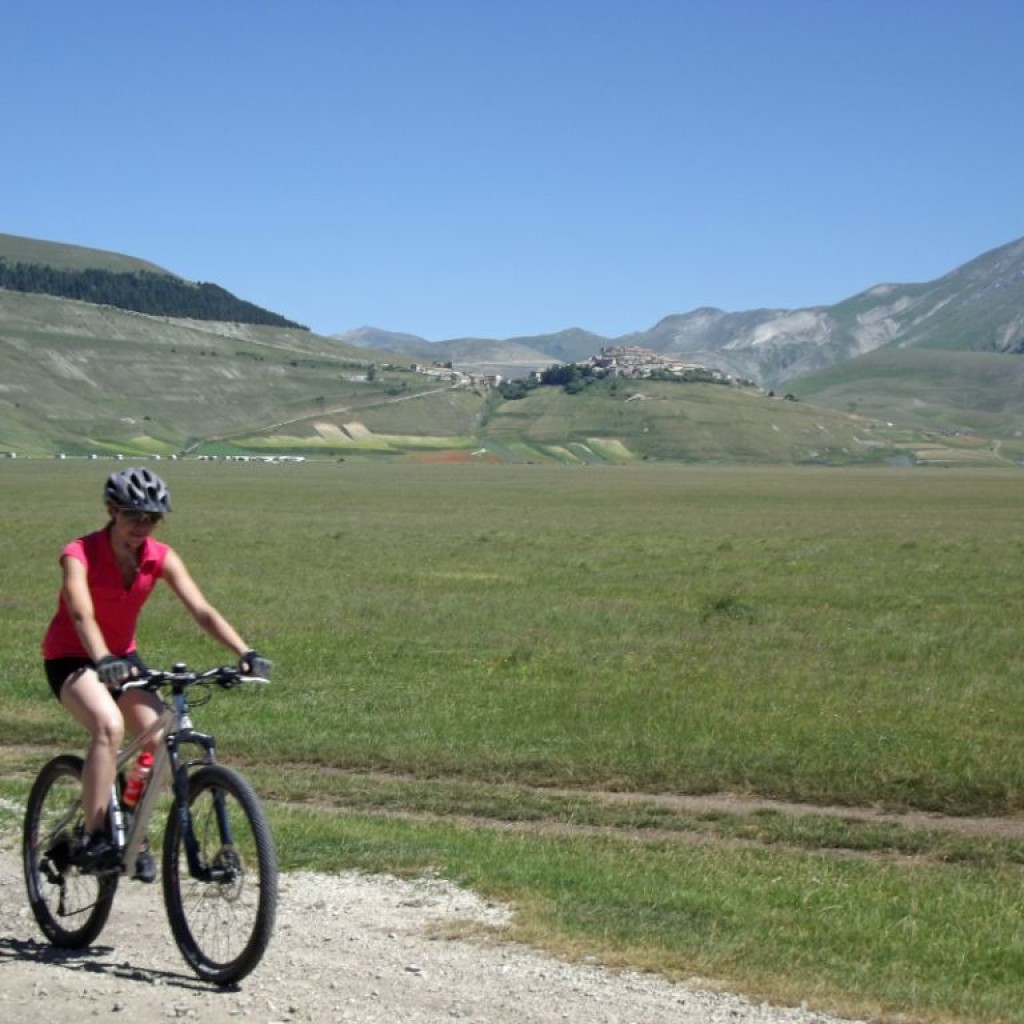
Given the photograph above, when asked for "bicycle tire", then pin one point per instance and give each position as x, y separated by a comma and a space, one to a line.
222, 926
69, 906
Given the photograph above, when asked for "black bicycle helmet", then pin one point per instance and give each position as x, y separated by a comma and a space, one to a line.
139, 489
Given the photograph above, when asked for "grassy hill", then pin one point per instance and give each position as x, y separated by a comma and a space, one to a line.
16, 249
944, 392
69, 272
689, 422
81, 378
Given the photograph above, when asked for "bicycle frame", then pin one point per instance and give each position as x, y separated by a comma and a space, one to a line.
175, 727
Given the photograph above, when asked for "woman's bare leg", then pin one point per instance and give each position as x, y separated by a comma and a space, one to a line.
92, 706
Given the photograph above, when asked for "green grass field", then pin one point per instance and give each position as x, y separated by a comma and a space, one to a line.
693, 423
474, 645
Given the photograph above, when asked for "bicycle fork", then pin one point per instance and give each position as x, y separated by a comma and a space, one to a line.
222, 870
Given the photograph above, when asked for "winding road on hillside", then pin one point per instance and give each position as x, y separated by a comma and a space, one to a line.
334, 410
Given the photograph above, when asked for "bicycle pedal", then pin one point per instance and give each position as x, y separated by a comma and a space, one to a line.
53, 875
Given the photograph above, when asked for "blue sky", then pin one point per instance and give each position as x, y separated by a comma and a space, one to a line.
498, 168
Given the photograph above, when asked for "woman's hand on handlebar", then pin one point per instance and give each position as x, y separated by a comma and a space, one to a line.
253, 663
113, 670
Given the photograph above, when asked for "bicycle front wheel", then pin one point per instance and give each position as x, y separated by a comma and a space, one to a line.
70, 907
221, 908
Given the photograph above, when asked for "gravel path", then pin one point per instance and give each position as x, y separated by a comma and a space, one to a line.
347, 947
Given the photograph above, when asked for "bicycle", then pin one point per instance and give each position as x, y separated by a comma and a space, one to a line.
219, 874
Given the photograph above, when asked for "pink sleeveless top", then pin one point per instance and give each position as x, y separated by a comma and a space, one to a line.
117, 607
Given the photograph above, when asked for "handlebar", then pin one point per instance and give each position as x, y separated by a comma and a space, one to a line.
180, 677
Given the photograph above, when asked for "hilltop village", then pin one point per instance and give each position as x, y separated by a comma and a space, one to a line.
630, 362
623, 362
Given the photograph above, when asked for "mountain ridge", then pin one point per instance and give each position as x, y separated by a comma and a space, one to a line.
978, 306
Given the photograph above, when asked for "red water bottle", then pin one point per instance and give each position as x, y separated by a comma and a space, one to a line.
136, 779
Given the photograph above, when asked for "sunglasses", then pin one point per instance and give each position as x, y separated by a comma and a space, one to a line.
134, 515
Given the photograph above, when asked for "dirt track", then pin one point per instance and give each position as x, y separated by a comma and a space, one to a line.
347, 947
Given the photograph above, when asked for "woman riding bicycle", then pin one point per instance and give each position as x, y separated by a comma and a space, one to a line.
90, 645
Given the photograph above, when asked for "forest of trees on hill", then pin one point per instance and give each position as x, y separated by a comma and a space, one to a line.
142, 292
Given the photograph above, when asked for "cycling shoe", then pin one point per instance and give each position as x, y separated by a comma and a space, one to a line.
145, 866
95, 853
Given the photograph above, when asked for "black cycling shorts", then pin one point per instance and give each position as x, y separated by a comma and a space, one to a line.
58, 669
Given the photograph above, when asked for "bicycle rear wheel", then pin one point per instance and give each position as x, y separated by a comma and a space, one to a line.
221, 916
70, 907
